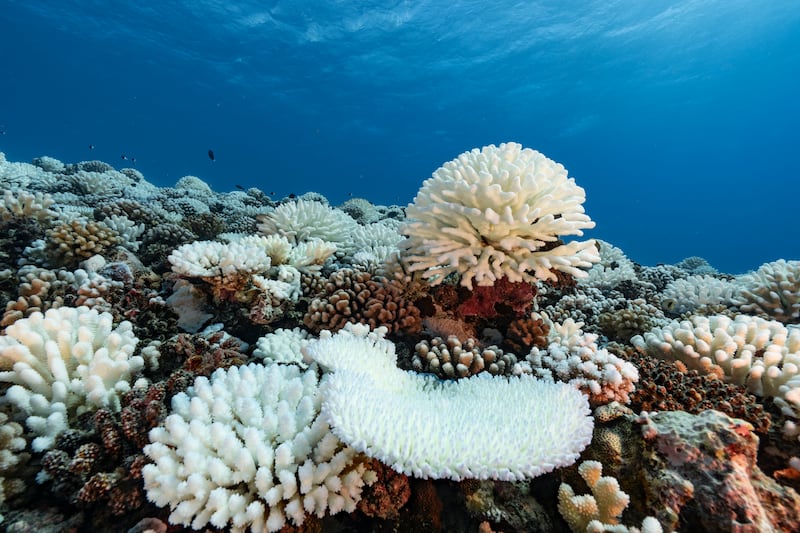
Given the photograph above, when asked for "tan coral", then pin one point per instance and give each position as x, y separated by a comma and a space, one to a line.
452, 358
71, 242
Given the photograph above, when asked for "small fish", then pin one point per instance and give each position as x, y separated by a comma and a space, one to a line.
133, 160
292, 195
124, 157
211, 155
272, 193
91, 147
239, 187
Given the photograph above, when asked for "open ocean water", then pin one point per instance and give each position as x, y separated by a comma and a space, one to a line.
679, 118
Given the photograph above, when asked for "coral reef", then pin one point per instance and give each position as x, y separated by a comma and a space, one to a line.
176, 358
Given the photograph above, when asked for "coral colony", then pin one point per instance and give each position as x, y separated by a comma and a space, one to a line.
178, 359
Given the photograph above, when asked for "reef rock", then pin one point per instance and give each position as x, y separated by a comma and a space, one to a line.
703, 471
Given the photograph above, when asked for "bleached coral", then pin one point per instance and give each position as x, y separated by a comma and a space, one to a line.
763, 355
428, 428
128, 230
573, 357
599, 511
688, 294
283, 346
15, 175
303, 220
498, 212
63, 363
773, 289
24, 204
189, 303
12, 448
195, 185
226, 266
614, 267
105, 183
247, 448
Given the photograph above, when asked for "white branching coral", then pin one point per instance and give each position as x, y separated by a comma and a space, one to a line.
24, 204
614, 268
248, 449
573, 357
283, 346
219, 263
498, 212
773, 289
684, 295
428, 428
303, 220
63, 363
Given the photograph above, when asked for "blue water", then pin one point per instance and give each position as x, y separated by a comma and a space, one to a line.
680, 119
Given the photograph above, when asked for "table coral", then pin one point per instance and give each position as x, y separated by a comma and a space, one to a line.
425, 427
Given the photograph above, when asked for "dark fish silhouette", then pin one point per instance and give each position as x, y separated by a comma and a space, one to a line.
91, 147
133, 160
239, 187
292, 195
125, 157
211, 155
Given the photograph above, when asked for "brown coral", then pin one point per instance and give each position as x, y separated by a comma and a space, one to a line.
523, 334
387, 495
452, 359
668, 386
356, 297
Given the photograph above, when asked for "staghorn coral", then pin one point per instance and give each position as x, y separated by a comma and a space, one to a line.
498, 212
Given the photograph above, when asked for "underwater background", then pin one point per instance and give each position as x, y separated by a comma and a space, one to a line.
679, 118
